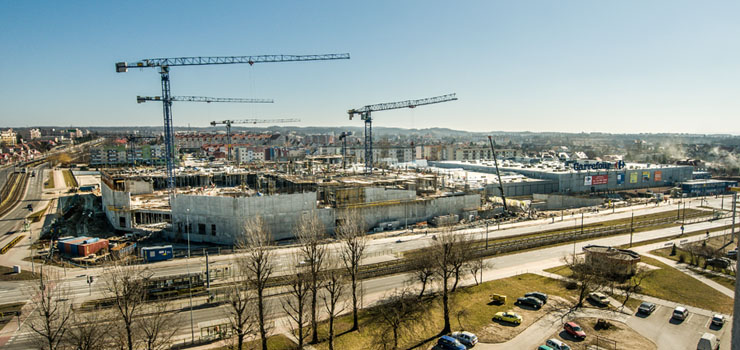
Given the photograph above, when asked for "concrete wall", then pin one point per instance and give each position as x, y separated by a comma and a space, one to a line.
379, 194
116, 205
283, 212
558, 201
524, 188
228, 214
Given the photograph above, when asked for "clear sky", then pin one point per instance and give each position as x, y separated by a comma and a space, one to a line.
610, 66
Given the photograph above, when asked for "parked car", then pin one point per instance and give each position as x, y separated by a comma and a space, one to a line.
541, 296
680, 313
718, 320
708, 341
529, 301
574, 330
466, 338
646, 308
732, 254
544, 347
446, 342
557, 344
508, 316
721, 263
599, 298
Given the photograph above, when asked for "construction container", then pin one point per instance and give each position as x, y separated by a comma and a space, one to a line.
122, 250
161, 253
81, 246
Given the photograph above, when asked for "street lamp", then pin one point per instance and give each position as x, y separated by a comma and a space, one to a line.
190, 280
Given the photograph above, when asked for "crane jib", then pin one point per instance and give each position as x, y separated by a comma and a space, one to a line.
196, 61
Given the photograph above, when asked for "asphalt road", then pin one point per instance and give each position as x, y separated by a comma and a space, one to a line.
13, 221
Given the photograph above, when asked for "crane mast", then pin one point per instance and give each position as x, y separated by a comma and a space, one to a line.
164, 65
365, 114
343, 137
228, 124
498, 174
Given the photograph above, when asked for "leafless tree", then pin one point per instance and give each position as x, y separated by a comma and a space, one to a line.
351, 232
333, 286
423, 270
295, 303
443, 251
476, 266
126, 285
311, 232
397, 315
89, 331
461, 247
257, 266
53, 314
240, 310
156, 326
633, 284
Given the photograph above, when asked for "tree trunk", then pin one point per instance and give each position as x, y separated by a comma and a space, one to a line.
261, 310
423, 288
240, 341
128, 337
395, 338
446, 308
355, 323
454, 285
314, 324
331, 330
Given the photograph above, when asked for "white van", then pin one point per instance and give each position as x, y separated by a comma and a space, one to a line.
708, 341
557, 344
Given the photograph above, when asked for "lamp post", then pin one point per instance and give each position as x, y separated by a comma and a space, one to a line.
190, 281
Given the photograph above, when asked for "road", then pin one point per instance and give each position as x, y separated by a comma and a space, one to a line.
13, 221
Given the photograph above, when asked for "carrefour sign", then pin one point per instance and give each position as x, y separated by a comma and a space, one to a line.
599, 166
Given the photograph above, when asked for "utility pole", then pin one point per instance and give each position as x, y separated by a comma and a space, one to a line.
632, 228
486, 240
736, 308
190, 280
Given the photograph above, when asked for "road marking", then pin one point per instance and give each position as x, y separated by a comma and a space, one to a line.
706, 325
689, 318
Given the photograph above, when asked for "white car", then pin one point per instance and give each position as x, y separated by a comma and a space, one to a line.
599, 298
680, 313
718, 320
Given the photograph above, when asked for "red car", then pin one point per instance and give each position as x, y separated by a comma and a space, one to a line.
574, 330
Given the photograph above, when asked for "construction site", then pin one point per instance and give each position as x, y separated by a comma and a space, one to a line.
215, 204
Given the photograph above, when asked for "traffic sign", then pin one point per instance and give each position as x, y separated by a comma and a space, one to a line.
735, 189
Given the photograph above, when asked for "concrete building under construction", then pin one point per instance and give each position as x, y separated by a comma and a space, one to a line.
213, 205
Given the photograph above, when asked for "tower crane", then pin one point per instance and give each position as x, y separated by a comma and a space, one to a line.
365, 114
131, 139
343, 137
142, 99
164, 65
228, 124
498, 174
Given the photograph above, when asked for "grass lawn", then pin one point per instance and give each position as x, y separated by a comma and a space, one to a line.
6, 274
276, 342
470, 304
670, 284
666, 253
36, 217
10, 310
69, 178
687, 234
49, 184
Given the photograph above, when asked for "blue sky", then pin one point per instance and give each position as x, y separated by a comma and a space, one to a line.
610, 66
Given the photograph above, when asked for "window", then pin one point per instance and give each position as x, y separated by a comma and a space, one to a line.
122, 221
201, 229
213, 229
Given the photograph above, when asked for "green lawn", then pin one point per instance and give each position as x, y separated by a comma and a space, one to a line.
49, 184
671, 284
69, 178
472, 300
666, 253
6, 274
